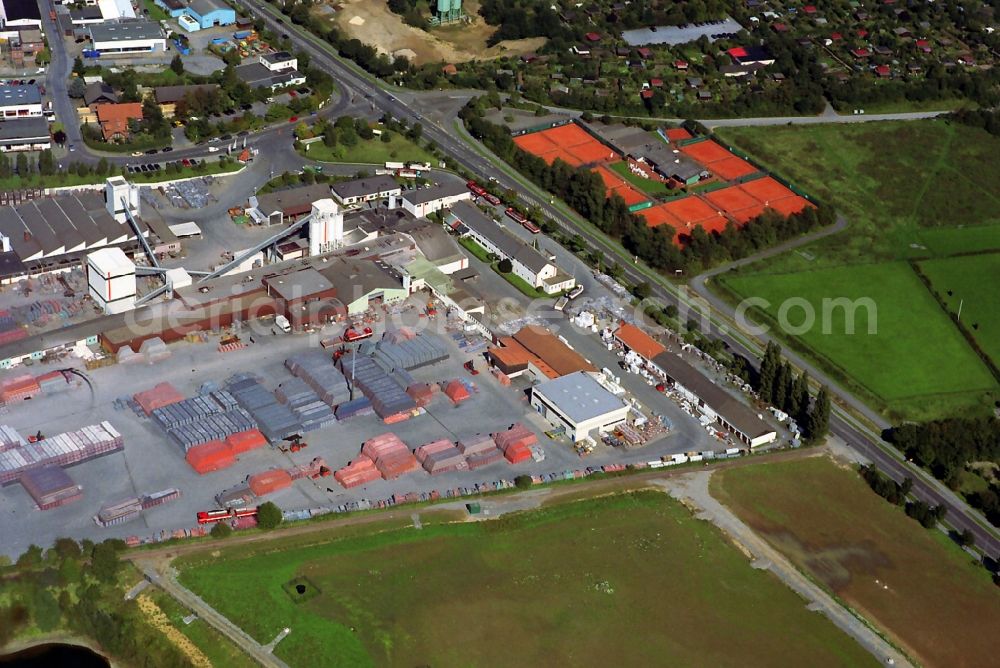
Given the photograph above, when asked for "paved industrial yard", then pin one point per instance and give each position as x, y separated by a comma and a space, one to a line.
151, 462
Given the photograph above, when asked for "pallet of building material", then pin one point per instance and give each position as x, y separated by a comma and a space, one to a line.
314, 468
484, 458
456, 391
294, 392
269, 482
426, 449
126, 355
360, 471
209, 457
235, 497
162, 394
19, 388
50, 487
478, 443
10, 438
63, 449
354, 408
517, 434
130, 509
244, 441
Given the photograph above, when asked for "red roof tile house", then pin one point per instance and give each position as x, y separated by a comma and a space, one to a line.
114, 119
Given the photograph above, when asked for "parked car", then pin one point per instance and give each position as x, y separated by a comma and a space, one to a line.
168, 149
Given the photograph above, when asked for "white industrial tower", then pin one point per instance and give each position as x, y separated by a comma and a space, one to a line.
117, 191
111, 280
326, 227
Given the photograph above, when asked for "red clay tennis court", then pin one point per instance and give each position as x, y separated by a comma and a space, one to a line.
535, 143
621, 187
732, 168
677, 134
766, 190
658, 215
690, 210
706, 152
730, 199
790, 205
569, 142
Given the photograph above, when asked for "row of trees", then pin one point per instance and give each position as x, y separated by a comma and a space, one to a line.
946, 447
779, 386
897, 493
584, 191
987, 119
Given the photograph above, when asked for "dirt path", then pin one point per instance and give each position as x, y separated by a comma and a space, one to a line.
162, 623
691, 489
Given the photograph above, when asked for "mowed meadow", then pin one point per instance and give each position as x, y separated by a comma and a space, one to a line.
912, 192
632, 579
912, 583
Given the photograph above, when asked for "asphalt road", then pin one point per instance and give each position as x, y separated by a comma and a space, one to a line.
960, 515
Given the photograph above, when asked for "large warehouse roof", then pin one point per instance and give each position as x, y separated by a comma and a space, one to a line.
731, 409
51, 226
125, 31
579, 396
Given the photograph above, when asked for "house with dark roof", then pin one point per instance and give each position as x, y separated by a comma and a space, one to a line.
25, 134
359, 191
99, 93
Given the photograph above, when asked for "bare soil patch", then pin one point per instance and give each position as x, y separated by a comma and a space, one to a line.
371, 22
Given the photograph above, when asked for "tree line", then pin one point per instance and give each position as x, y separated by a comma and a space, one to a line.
777, 384
584, 191
946, 447
897, 493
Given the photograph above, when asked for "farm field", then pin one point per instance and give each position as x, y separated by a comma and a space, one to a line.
917, 362
626, 580
912, 583
971, 282
910, 190
893, 181
943, 241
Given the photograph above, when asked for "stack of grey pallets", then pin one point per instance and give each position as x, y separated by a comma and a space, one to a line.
276, 421
212, 428
317, 370
410, 354
311, 411
387, 396
203, 418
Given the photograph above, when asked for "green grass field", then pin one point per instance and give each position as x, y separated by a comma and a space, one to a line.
917, 361
910, 190
930, 597
891, 180
648, 186
944, 241
371, 151
972, 281
624, 580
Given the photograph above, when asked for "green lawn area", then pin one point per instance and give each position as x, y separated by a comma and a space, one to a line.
648, 186
944, 241
474, 248
893, 181
624, 580
910, 190
929, 596
156, 12
371, 151
973, 282
916, 362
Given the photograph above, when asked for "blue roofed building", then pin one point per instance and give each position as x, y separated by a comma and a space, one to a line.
199, 14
